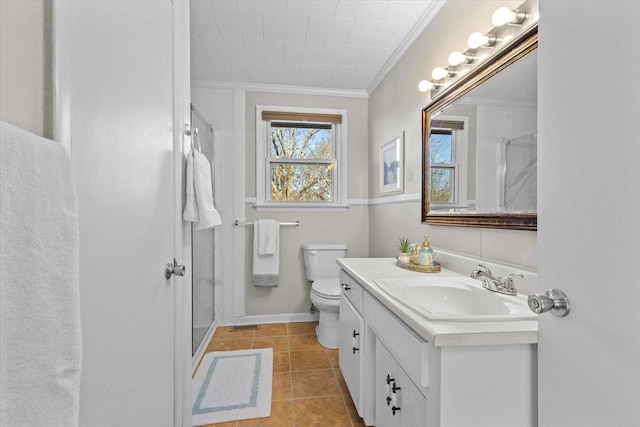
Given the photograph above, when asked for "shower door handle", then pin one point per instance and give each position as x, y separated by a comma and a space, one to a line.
173, 268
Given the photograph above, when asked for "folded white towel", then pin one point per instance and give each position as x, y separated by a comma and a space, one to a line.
266, 268
268, 230
40, 337
190, 212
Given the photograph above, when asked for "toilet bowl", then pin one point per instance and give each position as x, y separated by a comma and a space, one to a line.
321, 268
325, 296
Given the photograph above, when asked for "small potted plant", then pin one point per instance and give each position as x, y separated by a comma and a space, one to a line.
404, 246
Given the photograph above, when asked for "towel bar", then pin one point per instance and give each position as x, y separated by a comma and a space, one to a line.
291, 224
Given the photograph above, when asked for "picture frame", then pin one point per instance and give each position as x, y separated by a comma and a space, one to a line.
392, 166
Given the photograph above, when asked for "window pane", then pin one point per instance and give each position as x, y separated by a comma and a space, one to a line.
441, 185
440, 147
300, 141
301, 183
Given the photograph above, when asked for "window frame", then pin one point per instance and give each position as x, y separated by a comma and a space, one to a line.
264, 162
459, 162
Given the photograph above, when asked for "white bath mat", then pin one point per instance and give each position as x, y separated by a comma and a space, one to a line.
232, 385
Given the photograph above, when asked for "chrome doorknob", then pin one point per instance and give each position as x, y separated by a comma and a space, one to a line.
173, 268
554, 300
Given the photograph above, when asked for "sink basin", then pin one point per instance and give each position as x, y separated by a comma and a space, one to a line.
459, 299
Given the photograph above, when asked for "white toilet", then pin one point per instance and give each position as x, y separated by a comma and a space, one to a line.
321, 268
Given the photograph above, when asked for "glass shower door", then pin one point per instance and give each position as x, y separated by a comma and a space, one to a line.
203, 244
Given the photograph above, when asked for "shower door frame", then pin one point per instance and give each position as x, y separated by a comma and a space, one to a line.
217, 237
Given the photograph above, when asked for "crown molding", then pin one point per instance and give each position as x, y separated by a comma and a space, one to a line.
428, 15
297, 90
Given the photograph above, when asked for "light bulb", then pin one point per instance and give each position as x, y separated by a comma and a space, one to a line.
439, 73
476, 40
425, 85
456, 58
502, 16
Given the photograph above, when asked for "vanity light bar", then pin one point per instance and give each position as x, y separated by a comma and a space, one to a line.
507, 24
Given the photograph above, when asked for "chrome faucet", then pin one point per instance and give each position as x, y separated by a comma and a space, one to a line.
495, 284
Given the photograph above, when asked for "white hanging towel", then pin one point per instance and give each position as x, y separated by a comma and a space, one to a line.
199, 206
190, 212
40, 336
209, 216
268, 239
266, 267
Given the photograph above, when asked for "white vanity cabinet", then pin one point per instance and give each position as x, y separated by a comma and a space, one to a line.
349, 344
429, 385
356, 346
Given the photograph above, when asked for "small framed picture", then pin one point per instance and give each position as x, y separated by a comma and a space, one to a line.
392, 166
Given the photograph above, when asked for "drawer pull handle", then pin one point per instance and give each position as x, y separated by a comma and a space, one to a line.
394, 399
346, 287
355, 349
353, 342
389, 381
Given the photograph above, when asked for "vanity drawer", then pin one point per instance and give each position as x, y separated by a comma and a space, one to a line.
411, 352
351, 289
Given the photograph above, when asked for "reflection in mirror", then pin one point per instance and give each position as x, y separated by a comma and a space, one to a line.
481, 146
497, 149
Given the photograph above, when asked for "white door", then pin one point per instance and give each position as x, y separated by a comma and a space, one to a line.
350, 350
386, 373
589, 212
126, 104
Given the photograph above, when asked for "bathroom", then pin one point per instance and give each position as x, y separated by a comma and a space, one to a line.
584, 243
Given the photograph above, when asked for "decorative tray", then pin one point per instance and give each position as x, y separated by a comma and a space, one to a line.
420, 268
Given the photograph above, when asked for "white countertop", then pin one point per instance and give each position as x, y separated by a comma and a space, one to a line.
441, 333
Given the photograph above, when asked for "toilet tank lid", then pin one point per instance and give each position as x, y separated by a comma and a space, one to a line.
324, 246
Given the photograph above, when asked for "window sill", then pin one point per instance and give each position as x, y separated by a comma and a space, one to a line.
301, 207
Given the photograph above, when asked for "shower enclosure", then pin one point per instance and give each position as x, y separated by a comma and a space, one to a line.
203, 243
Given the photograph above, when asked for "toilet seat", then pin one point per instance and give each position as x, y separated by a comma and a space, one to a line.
326, 288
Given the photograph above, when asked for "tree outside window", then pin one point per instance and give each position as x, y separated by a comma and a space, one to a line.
302, 162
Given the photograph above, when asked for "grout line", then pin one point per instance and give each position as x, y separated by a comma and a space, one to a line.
293, 413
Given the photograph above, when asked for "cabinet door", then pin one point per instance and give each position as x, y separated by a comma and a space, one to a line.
412, 404
386, 374
351, 348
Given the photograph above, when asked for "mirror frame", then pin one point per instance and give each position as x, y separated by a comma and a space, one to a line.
518, 47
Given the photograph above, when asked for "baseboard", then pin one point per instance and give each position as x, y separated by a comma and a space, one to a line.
195, 360
276, 318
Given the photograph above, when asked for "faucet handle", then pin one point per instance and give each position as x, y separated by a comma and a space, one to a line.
484, 268
476, 273
508, 281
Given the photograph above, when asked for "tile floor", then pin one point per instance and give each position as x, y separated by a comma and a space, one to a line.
308, 387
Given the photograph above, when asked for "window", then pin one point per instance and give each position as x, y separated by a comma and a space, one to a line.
300, 158
447, 159
442, 156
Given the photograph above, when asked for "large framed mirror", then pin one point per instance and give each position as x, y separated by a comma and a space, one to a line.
479, 141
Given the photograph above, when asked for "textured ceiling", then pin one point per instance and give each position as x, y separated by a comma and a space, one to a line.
328, 44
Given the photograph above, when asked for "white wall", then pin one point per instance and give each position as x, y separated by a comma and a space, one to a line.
351, 227
396, 105
25, 55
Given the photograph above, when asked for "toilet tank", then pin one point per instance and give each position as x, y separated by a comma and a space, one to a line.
320, 260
